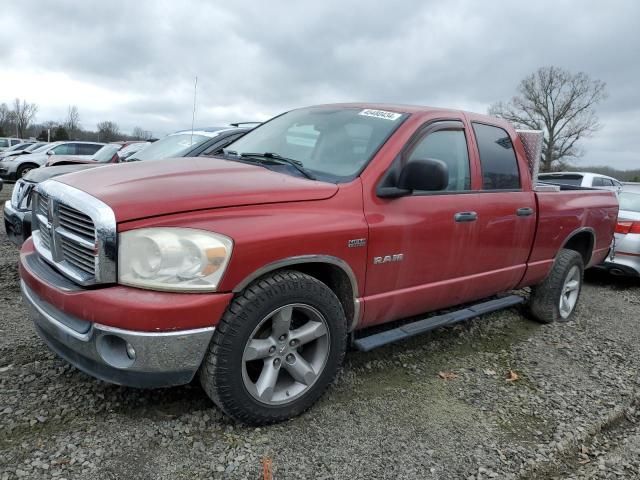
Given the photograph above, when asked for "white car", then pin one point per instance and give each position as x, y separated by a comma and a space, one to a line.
13, 168
6, 142
582, 179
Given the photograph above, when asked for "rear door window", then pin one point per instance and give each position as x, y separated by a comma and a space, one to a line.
497, 158
4, 142
598, 182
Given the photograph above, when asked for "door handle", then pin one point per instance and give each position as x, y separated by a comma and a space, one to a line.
524, 211
465, 217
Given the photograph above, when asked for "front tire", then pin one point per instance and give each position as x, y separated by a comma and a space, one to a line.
276, 350
555, 299
24, 169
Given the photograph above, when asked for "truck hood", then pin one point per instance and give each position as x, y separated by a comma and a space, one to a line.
41, 174
152, 188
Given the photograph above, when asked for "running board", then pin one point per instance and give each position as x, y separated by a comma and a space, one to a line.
418, 327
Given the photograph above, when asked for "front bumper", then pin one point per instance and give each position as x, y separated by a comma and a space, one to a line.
120, 334
17, 223
8, 170
123, 357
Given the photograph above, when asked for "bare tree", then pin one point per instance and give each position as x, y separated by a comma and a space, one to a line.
23, 114
5, 119
561, 104
140, 134
72, 123
108, 131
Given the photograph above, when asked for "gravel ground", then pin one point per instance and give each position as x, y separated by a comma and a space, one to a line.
571, 411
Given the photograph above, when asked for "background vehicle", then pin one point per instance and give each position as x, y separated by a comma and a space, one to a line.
16, 148
6, 142
582, 179
626, 259
107, 154
30, 149
256, 268
188, 143
15, 167
17, 211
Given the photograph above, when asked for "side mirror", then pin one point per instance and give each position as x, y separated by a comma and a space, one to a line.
424, 174
50, 152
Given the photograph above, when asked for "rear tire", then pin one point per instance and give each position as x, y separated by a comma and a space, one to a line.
276, 350
555, 299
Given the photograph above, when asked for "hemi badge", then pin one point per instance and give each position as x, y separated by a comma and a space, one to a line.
357, 242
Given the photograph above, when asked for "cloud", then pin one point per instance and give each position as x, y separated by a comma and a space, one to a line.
135, 62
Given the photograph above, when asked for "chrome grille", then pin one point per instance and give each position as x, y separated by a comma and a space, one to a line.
21, 196
78, 222
74, 232
80, 257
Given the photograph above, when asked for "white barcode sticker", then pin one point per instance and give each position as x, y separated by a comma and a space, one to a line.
380, 114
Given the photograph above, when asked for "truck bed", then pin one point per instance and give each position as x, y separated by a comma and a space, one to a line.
564, 212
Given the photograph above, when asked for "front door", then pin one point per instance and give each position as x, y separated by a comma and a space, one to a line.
421, 246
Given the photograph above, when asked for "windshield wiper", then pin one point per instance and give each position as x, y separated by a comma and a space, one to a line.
297, 164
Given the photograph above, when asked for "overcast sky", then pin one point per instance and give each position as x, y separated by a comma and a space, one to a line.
134, 62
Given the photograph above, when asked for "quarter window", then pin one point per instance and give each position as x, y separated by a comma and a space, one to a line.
87, 148
450, 146
497, 158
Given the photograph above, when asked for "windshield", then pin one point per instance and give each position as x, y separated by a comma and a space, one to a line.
629, 201
34, 147
172, 146
105, 154
575, 180
44, 147
335, 143
19, 146
132, 148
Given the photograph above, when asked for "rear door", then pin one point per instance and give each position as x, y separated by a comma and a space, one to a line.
506, 211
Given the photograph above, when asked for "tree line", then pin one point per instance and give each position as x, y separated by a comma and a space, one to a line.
19, 119
558, 102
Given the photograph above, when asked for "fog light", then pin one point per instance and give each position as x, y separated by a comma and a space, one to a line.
131, 352
115, 351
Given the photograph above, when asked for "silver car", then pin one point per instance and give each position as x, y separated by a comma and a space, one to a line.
626, 256
13, 168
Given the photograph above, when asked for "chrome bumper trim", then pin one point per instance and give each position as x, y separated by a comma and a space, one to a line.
161, 358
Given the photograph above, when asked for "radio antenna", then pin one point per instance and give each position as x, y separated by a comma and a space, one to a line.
193, 117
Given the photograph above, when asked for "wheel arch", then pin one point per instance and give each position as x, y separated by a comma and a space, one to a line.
332, 271
583, 241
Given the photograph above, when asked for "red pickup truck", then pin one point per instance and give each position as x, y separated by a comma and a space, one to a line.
258, 268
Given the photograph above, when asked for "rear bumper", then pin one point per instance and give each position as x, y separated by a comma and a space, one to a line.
123, 357
17, 224
626, 264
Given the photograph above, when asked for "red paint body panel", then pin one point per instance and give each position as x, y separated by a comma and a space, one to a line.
130, 308
202, 183
273, 216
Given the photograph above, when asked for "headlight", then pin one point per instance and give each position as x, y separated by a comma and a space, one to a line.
168, 258
15, 195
